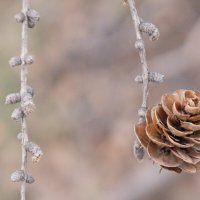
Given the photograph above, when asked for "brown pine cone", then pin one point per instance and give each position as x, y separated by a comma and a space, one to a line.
171, 132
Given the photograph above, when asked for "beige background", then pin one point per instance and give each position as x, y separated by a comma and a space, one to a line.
87, 100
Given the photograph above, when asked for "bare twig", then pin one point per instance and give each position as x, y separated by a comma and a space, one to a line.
147, 76
28, 17
24, 52
139, 45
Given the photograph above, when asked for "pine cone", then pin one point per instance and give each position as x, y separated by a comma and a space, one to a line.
171, 132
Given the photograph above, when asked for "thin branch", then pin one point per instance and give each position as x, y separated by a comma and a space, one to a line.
28, 17
24, 53
142, 52
146, 77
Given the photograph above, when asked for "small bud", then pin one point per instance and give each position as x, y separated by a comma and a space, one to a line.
20, 176
154, 77
29, 59
20, 17
30, 90
138, 79
27, 104
13, 98
142, 112
15, 61
31, 24
35, 150
150, 29
139, 45
19, 136
17, 114
28, 107
139, 151
30, 179
33, 17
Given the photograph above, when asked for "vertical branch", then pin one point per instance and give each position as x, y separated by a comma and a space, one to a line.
24, 71
142, 53
28, 17
24, 46
24, 157
146, 77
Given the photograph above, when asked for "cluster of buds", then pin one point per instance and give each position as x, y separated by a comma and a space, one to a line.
154, 77
21, 176
32, 148
29, 18
35, 150
32, 16
153, 32
16, 60
14, 98
150, 29
27, 105
146, 27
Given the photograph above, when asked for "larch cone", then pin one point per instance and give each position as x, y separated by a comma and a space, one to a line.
171, 132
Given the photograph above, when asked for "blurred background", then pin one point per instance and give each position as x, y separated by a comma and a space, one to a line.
87, 100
